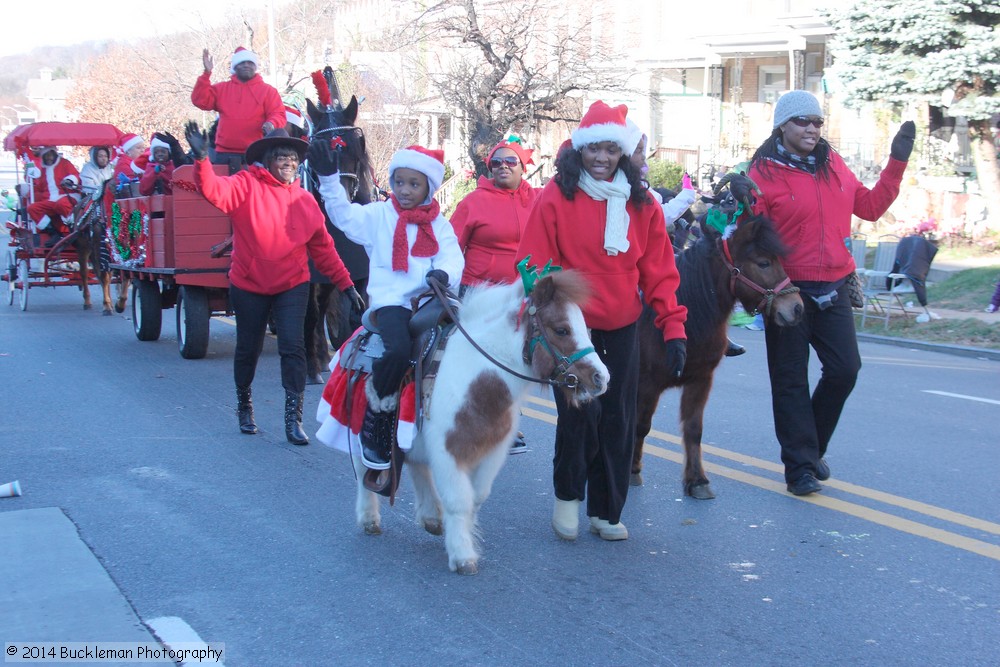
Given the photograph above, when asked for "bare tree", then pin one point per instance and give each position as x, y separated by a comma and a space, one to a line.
510, 66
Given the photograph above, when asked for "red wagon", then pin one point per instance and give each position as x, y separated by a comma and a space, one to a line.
171, 263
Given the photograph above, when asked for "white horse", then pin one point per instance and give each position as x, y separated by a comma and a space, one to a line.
472, 416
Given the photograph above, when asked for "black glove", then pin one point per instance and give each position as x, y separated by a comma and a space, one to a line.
741, 187
177, 155
676, 357
322, 158
902, 143
197, 139
357, 302
439, 276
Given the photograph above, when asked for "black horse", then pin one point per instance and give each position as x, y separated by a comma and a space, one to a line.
329, 312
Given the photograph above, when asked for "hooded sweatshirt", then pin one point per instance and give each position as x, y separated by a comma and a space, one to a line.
243, 107
489, 223
276, 228
93, 177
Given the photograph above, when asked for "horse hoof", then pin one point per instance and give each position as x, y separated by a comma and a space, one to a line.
701, 491
119, 308
87, 306
468, 567
635, 479
314, 379
373, 528
106, 312
433, 526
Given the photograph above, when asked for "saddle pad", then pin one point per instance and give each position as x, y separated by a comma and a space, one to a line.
358, 353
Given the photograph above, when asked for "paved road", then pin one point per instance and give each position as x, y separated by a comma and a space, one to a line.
251, 542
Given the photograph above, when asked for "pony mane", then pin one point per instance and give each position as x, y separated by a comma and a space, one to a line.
765, 237
571, 286
698, 289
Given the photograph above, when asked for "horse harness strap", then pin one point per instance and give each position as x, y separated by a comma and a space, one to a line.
563, 363
769, 294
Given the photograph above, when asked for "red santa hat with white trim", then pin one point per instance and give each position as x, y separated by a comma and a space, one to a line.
428, 162
294, 117
242, 55
154, 143
128, 142
604, 123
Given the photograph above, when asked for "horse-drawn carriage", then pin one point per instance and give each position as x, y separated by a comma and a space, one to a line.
167, 257
29, 262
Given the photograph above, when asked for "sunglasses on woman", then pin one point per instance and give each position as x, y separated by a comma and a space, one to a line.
511, 161
802, 121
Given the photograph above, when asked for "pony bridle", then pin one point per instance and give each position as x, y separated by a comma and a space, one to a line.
336, 131
768, 295
560, 375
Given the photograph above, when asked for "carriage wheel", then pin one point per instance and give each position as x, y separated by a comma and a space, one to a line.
147, 309
193, 316
22, 277
10, 275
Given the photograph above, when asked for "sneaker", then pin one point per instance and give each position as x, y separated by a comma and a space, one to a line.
519, 446
612, 532
756, 325
804, 485
991, 308
822, 470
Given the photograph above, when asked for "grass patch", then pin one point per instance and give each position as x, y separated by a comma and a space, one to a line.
969, 332
965, 290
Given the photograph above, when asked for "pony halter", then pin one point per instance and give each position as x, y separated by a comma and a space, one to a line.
563, 363
766, 304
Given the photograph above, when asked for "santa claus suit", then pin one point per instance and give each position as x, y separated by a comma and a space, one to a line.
53, 201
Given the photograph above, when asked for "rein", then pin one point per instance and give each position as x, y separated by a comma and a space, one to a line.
768, 294
560, 371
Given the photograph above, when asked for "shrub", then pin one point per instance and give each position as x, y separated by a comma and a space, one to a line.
663, 174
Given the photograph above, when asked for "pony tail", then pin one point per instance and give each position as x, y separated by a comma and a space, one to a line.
322, 89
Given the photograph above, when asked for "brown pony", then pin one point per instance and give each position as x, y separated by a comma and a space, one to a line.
715, 273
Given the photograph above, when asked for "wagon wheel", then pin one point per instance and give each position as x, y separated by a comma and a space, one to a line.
23, 278
147, 309
10, 275
193, 316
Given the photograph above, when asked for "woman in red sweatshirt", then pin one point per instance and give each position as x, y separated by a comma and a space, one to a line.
277, 226
810, 195
490, 220
596, 217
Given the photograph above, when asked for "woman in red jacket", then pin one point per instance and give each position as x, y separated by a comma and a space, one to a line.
810, 195
596, 217
277, 226
490, 220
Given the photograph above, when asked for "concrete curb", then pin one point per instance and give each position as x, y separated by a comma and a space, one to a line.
957, 350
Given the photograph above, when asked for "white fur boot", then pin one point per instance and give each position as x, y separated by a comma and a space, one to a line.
566, 518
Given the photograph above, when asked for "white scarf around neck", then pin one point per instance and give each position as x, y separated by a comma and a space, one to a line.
616, 192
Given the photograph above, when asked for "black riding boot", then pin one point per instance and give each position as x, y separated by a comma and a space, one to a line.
293, 419
244, 410
377, 436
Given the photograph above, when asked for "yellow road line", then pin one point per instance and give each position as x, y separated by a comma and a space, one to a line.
853, 509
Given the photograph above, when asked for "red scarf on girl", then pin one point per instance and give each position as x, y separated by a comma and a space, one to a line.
425, 245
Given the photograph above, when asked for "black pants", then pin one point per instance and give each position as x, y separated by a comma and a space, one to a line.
593, 454
394, 326
289, 309
804, 424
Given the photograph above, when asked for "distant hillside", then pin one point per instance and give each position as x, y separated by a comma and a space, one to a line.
65, 62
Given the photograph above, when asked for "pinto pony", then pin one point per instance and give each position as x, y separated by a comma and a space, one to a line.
471, 415
715, 273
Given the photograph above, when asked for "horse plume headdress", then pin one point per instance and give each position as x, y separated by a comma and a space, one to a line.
322, 89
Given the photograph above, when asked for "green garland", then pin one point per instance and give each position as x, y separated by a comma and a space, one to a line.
125, 239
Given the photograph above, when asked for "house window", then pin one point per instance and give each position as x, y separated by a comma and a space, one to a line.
772, 80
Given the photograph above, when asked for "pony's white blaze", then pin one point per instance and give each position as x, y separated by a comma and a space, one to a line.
473, 415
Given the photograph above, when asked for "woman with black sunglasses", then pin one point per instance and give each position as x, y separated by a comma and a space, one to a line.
490, 220
810, 194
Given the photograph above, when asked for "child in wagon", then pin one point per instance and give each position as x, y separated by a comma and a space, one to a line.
166, 154
409, 243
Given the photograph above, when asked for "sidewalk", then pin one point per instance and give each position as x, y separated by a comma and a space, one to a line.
53, 588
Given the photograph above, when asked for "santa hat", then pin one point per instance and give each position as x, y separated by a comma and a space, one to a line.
42, 150
241, 55
294, 117
155, 143
128, 142
604, 123
513, 143
635, 133
428, 162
